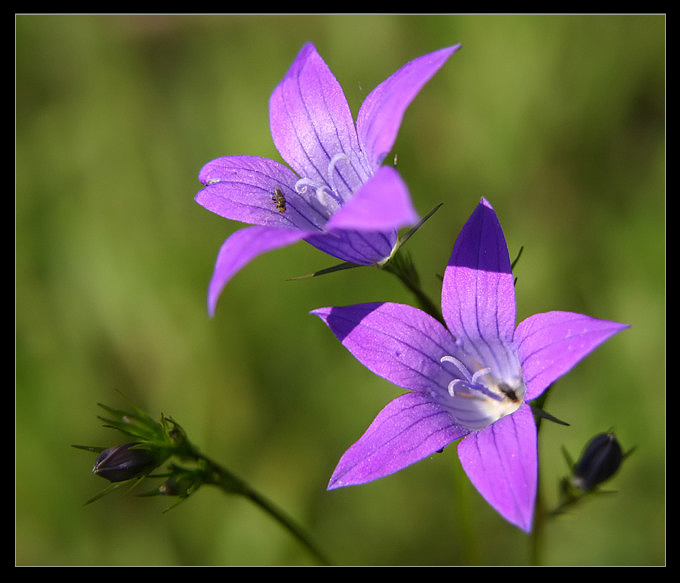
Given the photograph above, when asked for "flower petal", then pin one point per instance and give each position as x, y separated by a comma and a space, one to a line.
502, 463
381, 113
407, 430
243, 188
478, 294
381, 204
311, 123
397, 342
551, 343
239, 249
360, 247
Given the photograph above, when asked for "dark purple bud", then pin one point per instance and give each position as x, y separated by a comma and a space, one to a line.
599, 461
123, 462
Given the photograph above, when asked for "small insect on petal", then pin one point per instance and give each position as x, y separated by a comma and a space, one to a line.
279, 199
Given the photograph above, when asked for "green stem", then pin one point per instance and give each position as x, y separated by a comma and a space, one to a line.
231, 484
402, 267
425, 302
540, 514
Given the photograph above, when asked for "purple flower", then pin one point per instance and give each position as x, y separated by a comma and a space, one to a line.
337, 196
473, 380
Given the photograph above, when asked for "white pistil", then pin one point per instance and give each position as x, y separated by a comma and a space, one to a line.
303, 185
477, 399
457, 363
471, 383
481, 372
331, 169
325, 194
452, 392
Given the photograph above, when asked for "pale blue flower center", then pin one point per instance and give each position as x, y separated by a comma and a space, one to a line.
326, 197
480, 395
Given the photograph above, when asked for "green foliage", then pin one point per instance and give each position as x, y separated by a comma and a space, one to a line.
558, 120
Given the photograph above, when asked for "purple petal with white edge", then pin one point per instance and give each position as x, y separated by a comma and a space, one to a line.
551, 343
381, 113
244, 188
478, 294
381, 204
311, 123
360, 247
407, 430
239, 249
502, 463
395, 341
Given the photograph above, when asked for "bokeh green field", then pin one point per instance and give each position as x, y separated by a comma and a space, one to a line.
558, 120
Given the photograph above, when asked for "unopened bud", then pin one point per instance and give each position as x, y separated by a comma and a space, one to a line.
599, 461
123, 462
176, 487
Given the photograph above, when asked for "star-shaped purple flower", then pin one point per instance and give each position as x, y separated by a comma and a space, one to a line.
337, 196
473, 380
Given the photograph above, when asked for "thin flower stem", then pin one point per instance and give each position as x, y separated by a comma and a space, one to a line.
540, 514
231, 484
401, 266
187, 472
425, 302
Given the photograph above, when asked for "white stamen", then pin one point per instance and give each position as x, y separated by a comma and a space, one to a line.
322, 199
323, 195
480, 373
480, 398
331, 168
458, 364
302, 185
452, 384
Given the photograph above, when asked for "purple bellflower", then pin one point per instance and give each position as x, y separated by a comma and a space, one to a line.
473, 380
337, 196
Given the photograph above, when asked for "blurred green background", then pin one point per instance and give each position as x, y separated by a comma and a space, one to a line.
558, 120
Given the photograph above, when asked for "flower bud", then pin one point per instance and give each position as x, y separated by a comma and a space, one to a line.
599, 461
123, 462
176, 487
